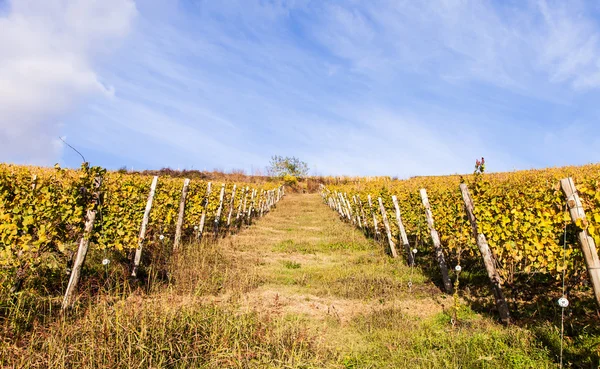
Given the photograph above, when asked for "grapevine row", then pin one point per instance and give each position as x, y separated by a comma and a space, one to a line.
43, 212
522, 214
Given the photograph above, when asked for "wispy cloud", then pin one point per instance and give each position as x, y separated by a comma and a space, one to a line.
379, 87
48, 51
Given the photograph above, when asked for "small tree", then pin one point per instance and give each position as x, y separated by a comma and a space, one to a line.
291, 166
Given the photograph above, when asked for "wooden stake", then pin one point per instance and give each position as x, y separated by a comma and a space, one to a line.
349, 208
357, 213
437, 245
403, 236
219, 210
84, 243
178, 229
203, 217
251, 206
231, 203
339, 205
586, 242
375, 226
362, 213
387, 228
488, 259
142, 237
245, 199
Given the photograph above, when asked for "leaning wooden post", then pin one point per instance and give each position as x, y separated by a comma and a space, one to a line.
261, 203
203, 216
219, 210
339, 204
345, 206
387, 228
357, 213
341, 208
245, 199
178, 229
586, 242
231, 203
437, 245
241, 211
350, 209
362, 213
375, 226
486, 254
251, 206
403, 236
138, 252
84, 243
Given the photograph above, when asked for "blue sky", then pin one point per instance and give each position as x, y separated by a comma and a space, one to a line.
376, 87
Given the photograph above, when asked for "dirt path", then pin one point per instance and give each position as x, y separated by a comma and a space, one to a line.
309, 262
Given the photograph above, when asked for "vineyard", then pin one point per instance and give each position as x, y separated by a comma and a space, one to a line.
418, 273
50, 216
524, 218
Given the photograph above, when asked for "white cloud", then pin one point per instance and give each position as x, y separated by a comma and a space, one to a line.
48, 52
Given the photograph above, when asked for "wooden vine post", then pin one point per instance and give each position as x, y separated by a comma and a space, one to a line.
375, 226
486, 255
178, 229
362, 213
84, 243
219, 210
245, 201
339, 205
251, 206
231, 203
241, 207
342, 206
203, 216
349, 209
403, 236
357, 213
138, 252
387, 229
586, 242
437, 245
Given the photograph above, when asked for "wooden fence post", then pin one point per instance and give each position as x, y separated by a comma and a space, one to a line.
586, 242
437, 245
486, 254
231, 203
203, 216
138, 252
403, 236
219, 211
178, 229
84, 243
387, 229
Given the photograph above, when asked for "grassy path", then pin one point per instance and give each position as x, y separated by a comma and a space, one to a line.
309, 262
309, 267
